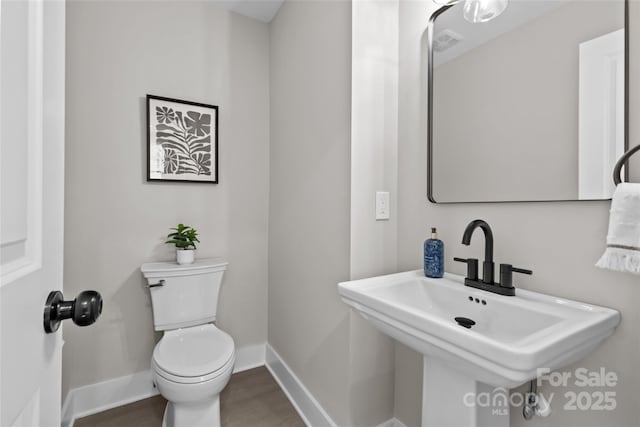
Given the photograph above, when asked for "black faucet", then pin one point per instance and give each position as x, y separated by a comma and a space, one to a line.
505, 287
487, 265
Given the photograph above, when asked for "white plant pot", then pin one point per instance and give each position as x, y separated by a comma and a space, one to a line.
185, 256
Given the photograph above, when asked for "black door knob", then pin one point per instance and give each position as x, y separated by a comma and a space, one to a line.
84, 310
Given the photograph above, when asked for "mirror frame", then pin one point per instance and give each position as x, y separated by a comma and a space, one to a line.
430, 195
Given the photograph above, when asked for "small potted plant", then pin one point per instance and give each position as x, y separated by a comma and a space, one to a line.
185, 238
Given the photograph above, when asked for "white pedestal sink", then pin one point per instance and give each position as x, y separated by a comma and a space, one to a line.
513, 337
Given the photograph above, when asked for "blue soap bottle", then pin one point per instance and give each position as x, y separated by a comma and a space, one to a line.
433, 256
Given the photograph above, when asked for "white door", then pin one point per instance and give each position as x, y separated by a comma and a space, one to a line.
31, 207
601, 114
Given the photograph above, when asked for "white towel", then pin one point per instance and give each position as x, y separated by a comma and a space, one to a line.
623, 238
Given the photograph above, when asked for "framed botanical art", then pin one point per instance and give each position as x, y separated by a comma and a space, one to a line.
182, 141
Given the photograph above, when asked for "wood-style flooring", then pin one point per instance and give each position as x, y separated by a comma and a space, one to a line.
252, 398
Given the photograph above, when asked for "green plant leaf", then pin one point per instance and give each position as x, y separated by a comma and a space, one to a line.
183, 237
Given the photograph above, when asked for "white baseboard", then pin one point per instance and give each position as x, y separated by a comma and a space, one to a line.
302, 400
249, 357
93, 398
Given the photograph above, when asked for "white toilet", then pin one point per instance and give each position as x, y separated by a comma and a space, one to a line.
193, 360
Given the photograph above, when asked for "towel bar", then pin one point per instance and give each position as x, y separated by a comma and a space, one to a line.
618, 167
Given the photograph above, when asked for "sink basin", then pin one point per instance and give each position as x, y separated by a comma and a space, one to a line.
513, 336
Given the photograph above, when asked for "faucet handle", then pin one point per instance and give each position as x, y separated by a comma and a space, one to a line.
472, 267
506, 274
521, 271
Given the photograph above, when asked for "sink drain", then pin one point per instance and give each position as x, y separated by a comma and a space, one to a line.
464, 321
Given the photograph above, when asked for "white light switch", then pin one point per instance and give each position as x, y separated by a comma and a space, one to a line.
382, 205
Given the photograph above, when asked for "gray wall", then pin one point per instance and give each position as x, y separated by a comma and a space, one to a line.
114, 220
309, 203
560, 241
374, 135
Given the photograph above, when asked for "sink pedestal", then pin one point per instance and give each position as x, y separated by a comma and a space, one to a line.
452, 399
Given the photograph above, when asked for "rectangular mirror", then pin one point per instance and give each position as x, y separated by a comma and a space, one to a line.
528, 106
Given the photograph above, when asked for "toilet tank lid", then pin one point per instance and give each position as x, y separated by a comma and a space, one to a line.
151, 269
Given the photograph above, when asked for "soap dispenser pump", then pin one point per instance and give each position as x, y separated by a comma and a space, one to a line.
434, 256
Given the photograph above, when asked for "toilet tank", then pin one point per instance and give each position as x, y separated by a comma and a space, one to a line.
184, 295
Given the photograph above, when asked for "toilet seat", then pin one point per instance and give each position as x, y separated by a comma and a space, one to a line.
194, 355
225, 370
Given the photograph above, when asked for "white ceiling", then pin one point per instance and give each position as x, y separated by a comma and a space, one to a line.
262, 10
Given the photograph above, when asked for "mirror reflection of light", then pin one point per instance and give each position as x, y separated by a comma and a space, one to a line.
476, 11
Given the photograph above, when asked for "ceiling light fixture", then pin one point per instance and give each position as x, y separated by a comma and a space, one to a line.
476, 11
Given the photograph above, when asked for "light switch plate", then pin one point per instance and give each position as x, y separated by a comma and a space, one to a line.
382, 205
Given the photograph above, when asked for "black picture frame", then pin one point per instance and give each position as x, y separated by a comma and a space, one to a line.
182, 141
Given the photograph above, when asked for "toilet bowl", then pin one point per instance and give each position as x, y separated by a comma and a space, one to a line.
190, 367
193, 361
